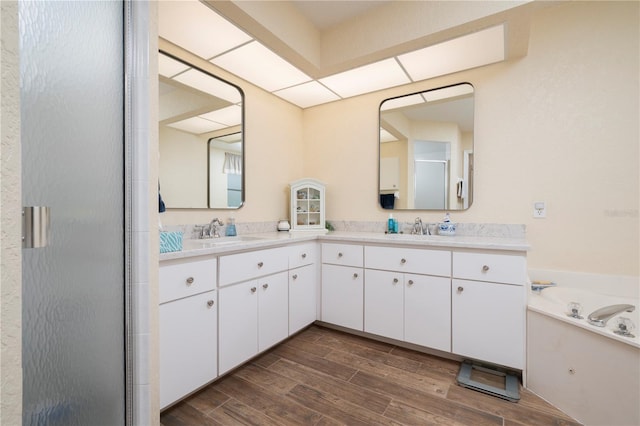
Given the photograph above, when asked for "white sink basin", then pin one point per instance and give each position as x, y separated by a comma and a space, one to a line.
214, 242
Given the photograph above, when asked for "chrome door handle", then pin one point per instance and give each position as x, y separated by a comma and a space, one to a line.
260, 264
210, 303
253, 289
265, 286
190, 280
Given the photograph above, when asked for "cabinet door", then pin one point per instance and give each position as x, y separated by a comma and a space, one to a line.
342, 296
302, 297
238, 338
273, 310
188, 345
384, 303
488, 322
427, 311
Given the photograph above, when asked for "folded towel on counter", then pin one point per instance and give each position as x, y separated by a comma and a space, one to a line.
170, 241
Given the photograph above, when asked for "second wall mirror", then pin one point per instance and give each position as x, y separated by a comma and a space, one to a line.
426, 150
201, 138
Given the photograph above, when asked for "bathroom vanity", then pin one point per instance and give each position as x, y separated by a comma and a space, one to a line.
224, 303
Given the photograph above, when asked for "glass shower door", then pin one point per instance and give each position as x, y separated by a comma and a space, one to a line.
72, 121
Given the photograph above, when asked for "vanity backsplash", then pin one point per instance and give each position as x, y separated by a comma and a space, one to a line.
493, 230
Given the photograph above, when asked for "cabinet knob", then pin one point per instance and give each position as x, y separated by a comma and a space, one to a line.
260, 264
294, 276
253, 289
460, 289
395, 281
403, 261
304, 255
410, 282
355, 275
210, 303
190, 280
485, 268
339, 254
265, 286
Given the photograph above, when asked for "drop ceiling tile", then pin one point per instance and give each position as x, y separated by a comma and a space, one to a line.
402, 101
207, 34
231, 115
168, 67
197, 125
368, 78
211, 85
466, 52
260, 66
307, 94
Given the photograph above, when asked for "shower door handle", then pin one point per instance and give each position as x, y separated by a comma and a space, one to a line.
35, 227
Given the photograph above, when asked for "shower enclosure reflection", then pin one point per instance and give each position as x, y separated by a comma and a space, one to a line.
426, 150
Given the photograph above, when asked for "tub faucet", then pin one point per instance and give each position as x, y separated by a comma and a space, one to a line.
417, 227
599, 317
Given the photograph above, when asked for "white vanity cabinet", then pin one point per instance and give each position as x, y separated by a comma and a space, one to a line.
489, 307
342, 285
302, 286
412, 307
187, 327
254, 312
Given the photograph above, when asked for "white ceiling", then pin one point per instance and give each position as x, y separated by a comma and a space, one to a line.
328, 13
199, 29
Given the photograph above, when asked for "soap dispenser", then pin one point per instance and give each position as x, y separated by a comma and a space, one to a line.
392, 225
231, 228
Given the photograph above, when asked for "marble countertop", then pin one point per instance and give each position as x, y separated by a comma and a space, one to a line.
273, 239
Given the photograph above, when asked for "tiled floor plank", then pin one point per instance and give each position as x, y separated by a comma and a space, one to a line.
323, 377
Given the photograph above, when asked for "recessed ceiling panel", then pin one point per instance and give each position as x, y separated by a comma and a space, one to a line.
168, 67
231, 115
198, 29
307, 95
369, 78
466, 52
213, 86
197, 125
260, 66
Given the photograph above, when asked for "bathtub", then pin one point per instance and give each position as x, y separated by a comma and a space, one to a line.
589, 372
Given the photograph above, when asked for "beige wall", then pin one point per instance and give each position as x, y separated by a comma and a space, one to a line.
560, 126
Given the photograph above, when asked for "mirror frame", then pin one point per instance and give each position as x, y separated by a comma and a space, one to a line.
450, 186
217, 134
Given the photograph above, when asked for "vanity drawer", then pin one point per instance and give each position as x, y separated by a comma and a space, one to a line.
182, 278
245, 266
342, 254
499, 268
416, 261
302, 254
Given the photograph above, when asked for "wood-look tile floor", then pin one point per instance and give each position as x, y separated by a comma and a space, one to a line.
326, 377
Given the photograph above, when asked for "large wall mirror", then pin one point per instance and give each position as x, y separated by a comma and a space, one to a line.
201, 138
426, 150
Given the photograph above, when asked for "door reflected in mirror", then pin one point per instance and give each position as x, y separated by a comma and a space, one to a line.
426, 150
201, 143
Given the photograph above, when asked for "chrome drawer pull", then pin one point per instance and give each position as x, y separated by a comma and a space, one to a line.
253, 289
294, 276
304, 255
410, 282
485, 268
210, 303
460, 289
339, 254
395, 281
190, 280
403, 261
260, 264
355, 275
265, 286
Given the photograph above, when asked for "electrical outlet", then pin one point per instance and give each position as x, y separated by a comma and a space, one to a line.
539, 209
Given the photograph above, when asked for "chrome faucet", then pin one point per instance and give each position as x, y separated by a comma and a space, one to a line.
538, 286
213, 228
599, 317
417, 227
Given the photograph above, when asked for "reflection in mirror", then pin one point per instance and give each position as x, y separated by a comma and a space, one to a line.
225, 170
426, 150
201, 123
